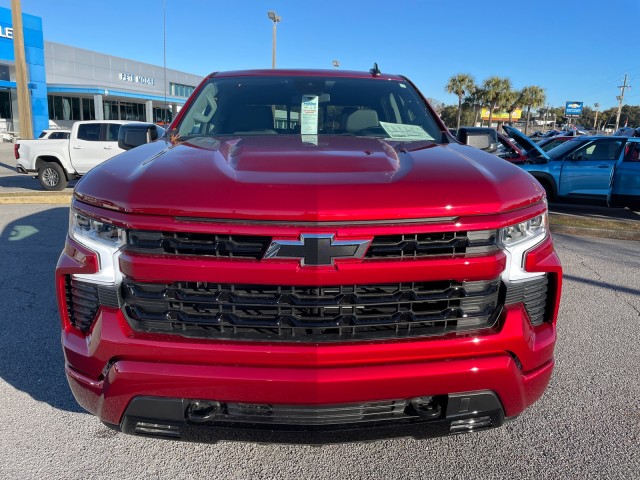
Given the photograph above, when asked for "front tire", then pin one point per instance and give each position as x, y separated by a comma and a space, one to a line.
548, 188
52, 177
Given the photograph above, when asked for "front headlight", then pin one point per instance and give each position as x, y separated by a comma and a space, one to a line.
81, 226
518, 239
103, 238
524, 231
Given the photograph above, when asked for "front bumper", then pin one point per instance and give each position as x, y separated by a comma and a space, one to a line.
115, 365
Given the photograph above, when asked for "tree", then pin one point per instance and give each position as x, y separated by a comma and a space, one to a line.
449, 116
495, 93
513, 100
532, 97
461, 84
436, 104
475, 100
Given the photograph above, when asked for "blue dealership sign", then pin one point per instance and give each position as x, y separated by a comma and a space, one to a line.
573, 108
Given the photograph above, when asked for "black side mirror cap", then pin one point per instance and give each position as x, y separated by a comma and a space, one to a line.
133, 135
483, 138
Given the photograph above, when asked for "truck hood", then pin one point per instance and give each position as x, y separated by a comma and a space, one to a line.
525, 143
297, 178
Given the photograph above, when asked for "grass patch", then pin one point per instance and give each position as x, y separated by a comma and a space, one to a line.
591, 222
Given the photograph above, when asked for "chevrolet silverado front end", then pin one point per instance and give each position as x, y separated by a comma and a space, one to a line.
307, 253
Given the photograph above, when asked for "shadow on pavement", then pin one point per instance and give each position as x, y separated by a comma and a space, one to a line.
31, 358
595, 283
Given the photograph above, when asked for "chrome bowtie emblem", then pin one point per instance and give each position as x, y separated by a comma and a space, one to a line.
317, 249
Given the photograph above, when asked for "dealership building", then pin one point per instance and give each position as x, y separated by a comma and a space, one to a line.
67, 83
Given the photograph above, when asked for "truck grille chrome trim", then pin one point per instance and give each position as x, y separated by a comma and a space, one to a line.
338, 223
311, 313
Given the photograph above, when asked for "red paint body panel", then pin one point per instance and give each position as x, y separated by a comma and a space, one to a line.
245, 179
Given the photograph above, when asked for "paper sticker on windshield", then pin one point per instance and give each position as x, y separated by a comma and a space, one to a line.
405, 132
309, 139
309, 115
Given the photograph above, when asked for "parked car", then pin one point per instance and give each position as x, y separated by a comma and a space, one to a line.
510, 151
56, 162
54, 134
586, 167
547, 144
627, 132
307, 252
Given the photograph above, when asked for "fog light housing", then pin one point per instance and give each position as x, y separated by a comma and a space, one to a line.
203, 411
426, 407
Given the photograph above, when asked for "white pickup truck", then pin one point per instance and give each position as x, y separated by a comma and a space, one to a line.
56, 162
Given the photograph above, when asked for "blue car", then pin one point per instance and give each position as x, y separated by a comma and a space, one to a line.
586, 167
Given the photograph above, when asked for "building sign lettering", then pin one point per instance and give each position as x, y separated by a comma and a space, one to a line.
6, 32
133, 78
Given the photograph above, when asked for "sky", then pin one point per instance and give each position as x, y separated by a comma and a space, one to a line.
576, 50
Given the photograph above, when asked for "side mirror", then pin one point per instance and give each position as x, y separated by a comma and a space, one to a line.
135, 134
483, 138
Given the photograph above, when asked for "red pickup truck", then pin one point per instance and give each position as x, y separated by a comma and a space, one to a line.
307, 256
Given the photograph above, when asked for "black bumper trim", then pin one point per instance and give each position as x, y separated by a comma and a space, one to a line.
167, 418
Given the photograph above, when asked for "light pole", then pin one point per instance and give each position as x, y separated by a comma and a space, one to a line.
275, 19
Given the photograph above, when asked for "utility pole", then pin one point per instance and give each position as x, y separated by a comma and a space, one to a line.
22, 87
620, 99
595, 122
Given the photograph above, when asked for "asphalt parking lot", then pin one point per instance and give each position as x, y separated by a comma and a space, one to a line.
587, 425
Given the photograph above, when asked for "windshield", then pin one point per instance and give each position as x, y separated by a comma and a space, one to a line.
561, 150
276, 105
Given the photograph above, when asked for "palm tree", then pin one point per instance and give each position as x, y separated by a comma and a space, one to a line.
475, 100
532, 96
461, 84
513, 99
495, 90
595, 122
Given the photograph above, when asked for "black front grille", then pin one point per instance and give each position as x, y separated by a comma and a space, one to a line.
432, 244
310, 313
379, 411
245, 246
181, 243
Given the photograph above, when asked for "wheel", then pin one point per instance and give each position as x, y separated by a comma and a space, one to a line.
551, 195
52, 177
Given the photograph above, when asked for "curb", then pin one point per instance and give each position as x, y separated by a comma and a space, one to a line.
53, 198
